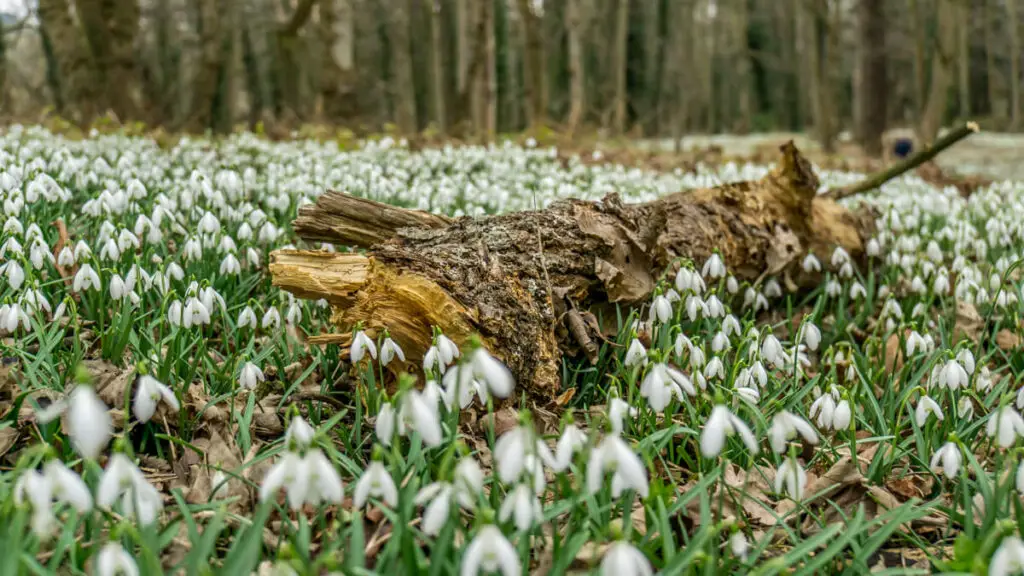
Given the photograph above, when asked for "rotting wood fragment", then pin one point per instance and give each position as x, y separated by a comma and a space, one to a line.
486, 275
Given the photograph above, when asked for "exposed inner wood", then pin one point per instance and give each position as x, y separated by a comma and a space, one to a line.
512, 278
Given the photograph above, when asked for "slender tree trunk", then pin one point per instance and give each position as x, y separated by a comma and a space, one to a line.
534, 63
619, 63
1014, 26
918, 27
489, 96
821, 41
995, 110
873, 87
964, 27
122, 79
437, 83
942, 71
80, 91
464, 37
573, 35
745, 119
403, 89
204, 84
337, 37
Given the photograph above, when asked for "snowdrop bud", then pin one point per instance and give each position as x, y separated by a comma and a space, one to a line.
874, 249
299, 434
89, 423
636, 355
732, 285
811, 335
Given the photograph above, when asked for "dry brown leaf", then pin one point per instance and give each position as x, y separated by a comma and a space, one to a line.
8, 437
968, 322
911, 486
894, 353
1007, 340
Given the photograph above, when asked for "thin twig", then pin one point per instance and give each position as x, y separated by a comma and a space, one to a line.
926, 154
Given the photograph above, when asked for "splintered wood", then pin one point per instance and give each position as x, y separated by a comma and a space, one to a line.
519, 279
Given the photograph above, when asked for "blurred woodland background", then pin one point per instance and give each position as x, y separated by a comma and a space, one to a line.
475, 68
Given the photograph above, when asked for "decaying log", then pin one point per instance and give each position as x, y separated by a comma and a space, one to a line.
514, 278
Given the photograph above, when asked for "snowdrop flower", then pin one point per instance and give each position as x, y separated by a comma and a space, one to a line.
662, 383
713, 307
110, 251
489, 551
713, 267
618, 411
65, 258
915, 342
306, 479
739, 546
786, 426
732, 285
966, 359
86, 279
842, 416
965, 408
55, 482
731, 326
418, 412
661, 309
113, 560
772, 351
839, 257
571, 441
772, 288
636, 354
230, 266
512, 450
271, 319
246, 318
12, 315
874, 249
376, 481
811, 335
688, 280
123, 480
1008, 559
833, 288
1005, 425
89, 423
714, 369
811, 263
447, 349
384, 427
522, 505
791, 478
857, 291
926, 406
389, 350
250, 376
194, 313
614, 454
490, 371
361, 344
952, 375
148, 393
947, 459
623, 559
1019, 479
720, 343
846, 270
721, 424
751, 395
464, 489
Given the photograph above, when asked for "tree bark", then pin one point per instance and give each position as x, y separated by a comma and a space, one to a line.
619, 62
822, 42
337, 38
964, 58
514, 278
942, 71
80, 91
204, 84
437, 83
918, 28
1014, 26
990, 62
489, 86
573, 36
403, 89
873, 87
534, 64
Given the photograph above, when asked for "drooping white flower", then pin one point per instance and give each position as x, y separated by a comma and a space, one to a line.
618, 411
786, 426
623, 559
811, 335
966, 359
791, 478
714, 369
247, 318
688, 280
447, 349
375, 482
123, 480
523, 506
628, 472
250, 376
1005, 425
662, 383
418, 412
149, 392
390, 350
89, 423
490, 551
842, 415
952, 375
361, 344
512, 451
810, 263
713, 267
1008, 558
925, 406
491, 372
636, 354
86, 279
113, 560
571, 441
739, 546
947, 459
271, 319
721, 424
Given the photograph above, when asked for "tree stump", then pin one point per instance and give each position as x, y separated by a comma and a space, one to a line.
515, 279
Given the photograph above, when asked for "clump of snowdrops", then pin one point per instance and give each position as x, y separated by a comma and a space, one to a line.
700, 442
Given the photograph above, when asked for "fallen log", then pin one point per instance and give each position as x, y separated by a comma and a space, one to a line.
517, 280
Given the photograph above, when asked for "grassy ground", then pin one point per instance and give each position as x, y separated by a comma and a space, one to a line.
161, 411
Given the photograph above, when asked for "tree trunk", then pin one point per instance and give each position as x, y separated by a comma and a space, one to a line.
942, 71
918, 27
205, 82
821, 40
437, 83
995, 110
489, 96
403, 89
80, 91
873, 87
1014, 26
741, 64
122, 79
619, 62
337, 38
964, 59
573, 36
534, 63
524, 281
